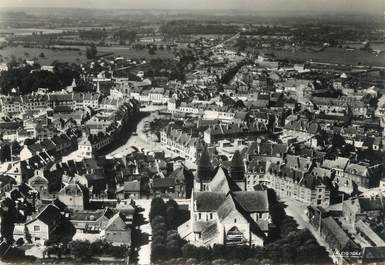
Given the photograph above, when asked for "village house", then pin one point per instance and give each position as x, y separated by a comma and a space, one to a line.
73, 196
43, 226
117, 231
356, 209
229, 131
179, 142
129, 189
301, 182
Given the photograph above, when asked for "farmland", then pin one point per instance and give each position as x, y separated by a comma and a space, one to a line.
331, 55
75, 56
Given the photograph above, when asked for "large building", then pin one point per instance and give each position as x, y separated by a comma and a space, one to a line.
223, 213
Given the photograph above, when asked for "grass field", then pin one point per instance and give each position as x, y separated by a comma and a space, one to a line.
331, 55
75, 56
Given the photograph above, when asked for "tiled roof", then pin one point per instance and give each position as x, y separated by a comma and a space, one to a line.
252, 201
338, 233
208, 201
163, 183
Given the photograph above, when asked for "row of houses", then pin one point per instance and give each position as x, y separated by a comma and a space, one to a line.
104, 130
181, 143
18, 104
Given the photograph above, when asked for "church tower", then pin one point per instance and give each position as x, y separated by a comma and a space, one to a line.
237, 170
204, 171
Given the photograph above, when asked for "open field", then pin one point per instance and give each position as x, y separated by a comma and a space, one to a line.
50, 55
331, 55
72, 56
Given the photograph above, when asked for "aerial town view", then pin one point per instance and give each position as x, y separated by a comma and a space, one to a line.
216, 132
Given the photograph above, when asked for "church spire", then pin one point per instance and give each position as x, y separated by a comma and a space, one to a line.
205, 168
237, 168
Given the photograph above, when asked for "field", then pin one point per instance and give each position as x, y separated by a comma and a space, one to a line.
331, 55
374, 46
75, 56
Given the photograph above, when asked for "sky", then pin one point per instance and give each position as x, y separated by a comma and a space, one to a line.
356, 6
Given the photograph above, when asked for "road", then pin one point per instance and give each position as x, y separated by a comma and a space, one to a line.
297, 210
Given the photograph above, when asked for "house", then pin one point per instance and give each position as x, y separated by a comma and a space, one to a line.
356, 209
255, 173
229, 131
85, 148
63, 144
179, 142
117, 231
337, 239
39, 182
58, 101
130, 189
91, 221
338, 166
310, 185
73, 196
42, 227
6, 184
29, 151
11, 105
165, 187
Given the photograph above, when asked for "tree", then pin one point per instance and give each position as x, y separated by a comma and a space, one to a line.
81, 249
277, 214
152, 50
338, 141
218, 251
189, 251
42, 55
91, 51
158, 251
172, 214
157, 220
118, 252
158, 208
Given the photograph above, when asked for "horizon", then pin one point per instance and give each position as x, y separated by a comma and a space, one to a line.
242, 6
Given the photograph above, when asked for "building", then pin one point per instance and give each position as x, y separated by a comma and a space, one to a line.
311, 186
230, 131
234, 218
129, 190
179, 142
43, 226
117, 231
356, 209
73, 196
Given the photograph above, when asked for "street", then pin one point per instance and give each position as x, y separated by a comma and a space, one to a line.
144, 255
297, 210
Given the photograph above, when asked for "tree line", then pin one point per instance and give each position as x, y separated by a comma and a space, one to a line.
28, 79
164, 219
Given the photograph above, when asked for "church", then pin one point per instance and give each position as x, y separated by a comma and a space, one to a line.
222, 211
